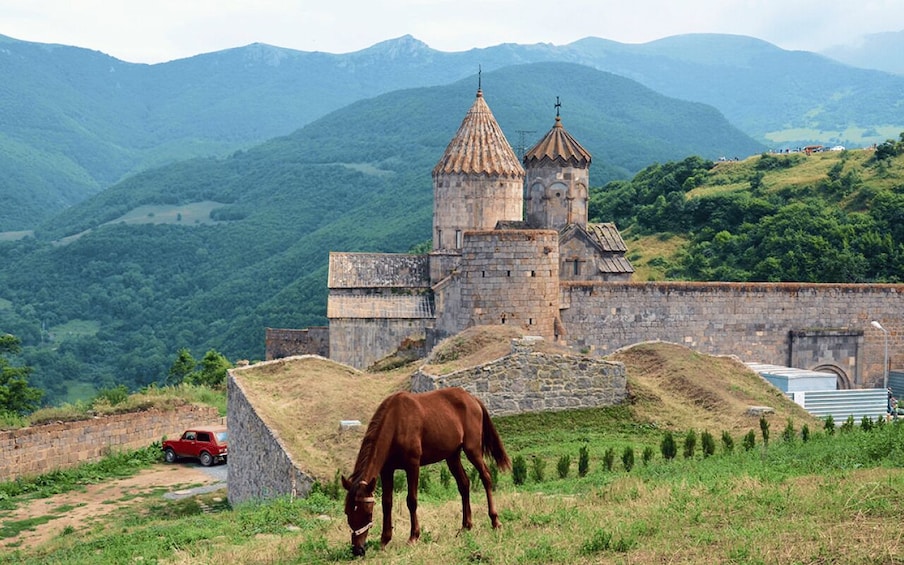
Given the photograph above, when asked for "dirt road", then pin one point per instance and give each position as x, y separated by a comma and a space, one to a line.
79, 509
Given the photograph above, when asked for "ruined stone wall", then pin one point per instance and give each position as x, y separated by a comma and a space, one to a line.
49, 447
751, 320
259, 465
510, 277
529, 381
287, 342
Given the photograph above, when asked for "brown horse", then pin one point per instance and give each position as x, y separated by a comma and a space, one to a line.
408, 431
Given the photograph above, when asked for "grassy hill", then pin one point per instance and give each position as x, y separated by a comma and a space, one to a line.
670, 386
834, 498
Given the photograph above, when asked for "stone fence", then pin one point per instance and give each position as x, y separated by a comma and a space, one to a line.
531, 381
49, 447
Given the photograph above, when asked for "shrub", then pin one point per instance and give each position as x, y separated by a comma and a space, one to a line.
764, 429
690, 444
563, 466
749, 441
805, 433
519, 470
879, 423
423, 483
668, 447
445, 477
707, 444
628, 458
647, 455
829, 425
788, 432
866, 424
600, 541
583, 461
848, 425
608, 458
494, 474
727, 442
538, 469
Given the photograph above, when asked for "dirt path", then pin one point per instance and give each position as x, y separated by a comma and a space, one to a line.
79, 509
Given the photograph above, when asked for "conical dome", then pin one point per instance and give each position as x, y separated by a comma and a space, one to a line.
558, 144
479, 146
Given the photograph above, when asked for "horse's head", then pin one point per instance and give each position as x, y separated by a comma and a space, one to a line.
359, 509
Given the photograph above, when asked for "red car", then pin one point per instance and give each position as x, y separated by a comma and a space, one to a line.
207, 444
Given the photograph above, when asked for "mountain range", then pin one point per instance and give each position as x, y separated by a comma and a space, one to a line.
75, 121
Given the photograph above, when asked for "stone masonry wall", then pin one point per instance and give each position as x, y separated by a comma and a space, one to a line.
529, 381
259, 465
41, 449
751, 320
287, 342
510, 277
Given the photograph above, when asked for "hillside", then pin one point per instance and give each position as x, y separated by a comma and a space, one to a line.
832, 216
74, 121
671, 387
278, 209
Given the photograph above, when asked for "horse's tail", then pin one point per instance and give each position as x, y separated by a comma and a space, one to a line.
492, 443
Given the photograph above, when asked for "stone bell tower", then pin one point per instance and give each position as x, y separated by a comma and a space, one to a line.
557, 179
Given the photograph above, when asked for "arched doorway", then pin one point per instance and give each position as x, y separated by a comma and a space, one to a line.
842, 382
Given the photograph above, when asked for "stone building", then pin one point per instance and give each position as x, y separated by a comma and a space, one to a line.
512, 245
504, 237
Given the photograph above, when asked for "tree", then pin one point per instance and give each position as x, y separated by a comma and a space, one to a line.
15, 394
213, 370
182, 367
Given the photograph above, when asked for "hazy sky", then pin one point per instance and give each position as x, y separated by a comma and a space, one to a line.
151, 31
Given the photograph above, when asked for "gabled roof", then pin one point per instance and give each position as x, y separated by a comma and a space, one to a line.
479, 146
607, 237
608, 243
558, 145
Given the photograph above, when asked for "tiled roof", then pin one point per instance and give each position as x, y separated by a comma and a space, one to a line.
607, 237
558, 144
378, 270
414, 307
479, 146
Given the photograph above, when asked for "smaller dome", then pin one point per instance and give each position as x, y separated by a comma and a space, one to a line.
558, 145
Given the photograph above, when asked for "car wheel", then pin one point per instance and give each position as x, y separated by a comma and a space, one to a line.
206, 459
169, 455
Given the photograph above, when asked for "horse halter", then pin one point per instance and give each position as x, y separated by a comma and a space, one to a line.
363, 500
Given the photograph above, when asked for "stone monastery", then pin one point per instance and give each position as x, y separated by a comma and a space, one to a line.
512, 245
504, 238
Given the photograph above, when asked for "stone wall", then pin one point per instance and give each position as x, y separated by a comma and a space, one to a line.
531, 381
360, 342
259, 465
41, 449
754, 321
287, 342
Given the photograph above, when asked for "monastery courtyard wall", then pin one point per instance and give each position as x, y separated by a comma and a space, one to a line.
757, 322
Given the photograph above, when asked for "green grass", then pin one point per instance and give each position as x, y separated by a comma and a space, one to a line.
835, 499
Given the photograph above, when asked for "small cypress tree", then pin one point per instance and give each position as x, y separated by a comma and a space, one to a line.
538, 469
764, 429
788, 432
866, 424
445, 477
829, 425
608, 458
690, 444
707, 443
583, 461
668, 447
805, 433
749, 441
627, 458
519, 470
647, 455
727, 442
848, 425
563, 466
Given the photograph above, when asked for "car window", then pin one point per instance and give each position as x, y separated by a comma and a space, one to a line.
222, 437
189, 436
203, 436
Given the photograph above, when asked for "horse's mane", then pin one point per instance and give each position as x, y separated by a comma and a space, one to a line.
369, 443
